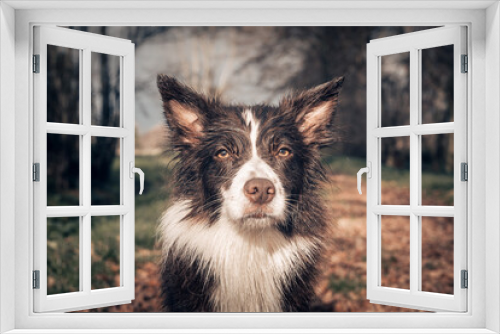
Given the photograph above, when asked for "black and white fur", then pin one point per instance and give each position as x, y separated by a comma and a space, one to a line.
224, 250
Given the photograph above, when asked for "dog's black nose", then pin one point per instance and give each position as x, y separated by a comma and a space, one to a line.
259, 191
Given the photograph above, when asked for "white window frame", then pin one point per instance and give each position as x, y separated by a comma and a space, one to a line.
483, 21
86, 43
413, 44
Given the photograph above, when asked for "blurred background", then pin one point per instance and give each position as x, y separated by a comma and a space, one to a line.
253, 65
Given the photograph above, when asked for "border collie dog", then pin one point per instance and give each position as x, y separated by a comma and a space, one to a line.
246, 226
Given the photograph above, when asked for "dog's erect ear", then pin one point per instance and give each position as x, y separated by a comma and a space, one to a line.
314, 110
184, 110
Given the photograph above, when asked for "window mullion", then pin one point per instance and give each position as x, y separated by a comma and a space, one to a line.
81, 179
419, 161
420, 129
86, 170
414, 171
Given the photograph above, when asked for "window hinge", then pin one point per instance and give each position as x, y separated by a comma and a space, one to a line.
36, 279
465, 279
36, 172
465, 64
36, 63
464, 171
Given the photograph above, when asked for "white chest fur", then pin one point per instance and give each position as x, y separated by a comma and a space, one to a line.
251, 267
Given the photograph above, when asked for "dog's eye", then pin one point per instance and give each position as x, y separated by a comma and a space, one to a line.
222, 154
284, 152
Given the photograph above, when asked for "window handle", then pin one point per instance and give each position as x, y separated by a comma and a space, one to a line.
141, 175
368, 171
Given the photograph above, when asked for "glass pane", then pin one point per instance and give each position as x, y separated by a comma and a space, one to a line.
105, 252
437, 169
63, 85
105, 89
437, 84
395, 251
63, 169
63, 255
105, 156
395, 171
395, 91
437, 254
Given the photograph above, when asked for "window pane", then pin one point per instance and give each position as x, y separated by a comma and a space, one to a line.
63, 255
437, 84
105, 89
395, 259
437, 169
63, 170
395, 231
437, 254
395, 171
105, 252
395, 92
105, 155
63, 85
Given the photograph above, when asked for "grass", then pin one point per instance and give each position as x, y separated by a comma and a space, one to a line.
343, 164
345, 285
437, 184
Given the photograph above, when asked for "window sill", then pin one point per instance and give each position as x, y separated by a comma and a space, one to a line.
256, 331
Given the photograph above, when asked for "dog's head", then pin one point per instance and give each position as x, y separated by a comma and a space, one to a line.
251, 165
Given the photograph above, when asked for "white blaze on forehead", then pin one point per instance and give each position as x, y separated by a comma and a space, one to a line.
247, 114
254, 130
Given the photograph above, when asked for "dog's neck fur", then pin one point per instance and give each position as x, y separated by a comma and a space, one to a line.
251, 268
